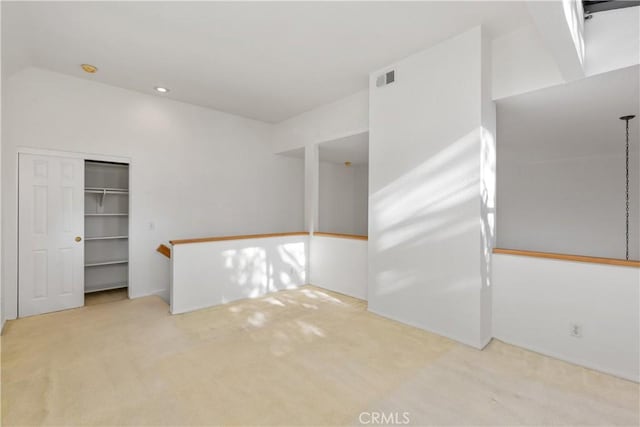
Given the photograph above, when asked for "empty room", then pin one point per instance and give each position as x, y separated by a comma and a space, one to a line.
320, 213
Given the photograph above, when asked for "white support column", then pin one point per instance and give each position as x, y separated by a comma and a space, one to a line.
432, 190
311, 183
487, 187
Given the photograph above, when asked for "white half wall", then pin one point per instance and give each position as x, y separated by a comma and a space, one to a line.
207, 274
535, 302
194, 171
339, 265
430, 186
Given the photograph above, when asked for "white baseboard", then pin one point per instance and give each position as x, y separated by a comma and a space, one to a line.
577, 362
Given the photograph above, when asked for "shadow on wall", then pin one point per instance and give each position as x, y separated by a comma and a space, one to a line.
254, 271
426, 231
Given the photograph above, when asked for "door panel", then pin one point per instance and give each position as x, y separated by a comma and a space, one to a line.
40, 277
51, 216
40, 209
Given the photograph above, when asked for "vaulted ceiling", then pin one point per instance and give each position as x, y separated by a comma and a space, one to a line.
264, 60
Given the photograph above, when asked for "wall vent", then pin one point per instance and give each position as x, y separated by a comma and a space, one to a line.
386, 78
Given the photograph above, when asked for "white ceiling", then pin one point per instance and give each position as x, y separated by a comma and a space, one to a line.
572, 120
354, 149
264, 60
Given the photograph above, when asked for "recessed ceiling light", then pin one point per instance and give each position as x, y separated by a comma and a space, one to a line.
161, 89
91, 69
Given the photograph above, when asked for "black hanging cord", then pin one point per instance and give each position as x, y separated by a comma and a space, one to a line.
626, 119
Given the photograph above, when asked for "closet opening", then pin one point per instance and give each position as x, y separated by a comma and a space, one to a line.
106, 230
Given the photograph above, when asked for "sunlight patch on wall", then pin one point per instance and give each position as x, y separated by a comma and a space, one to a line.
429, 198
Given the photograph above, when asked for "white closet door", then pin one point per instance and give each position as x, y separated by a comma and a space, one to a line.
51, 225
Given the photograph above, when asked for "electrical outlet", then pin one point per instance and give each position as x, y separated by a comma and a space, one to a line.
575, 330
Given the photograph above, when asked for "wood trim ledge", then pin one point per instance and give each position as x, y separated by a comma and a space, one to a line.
164, 250
240, 237
565, 257
341, 235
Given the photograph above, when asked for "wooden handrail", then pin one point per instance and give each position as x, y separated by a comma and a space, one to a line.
341, 235
164, 250
240, 237
565, 257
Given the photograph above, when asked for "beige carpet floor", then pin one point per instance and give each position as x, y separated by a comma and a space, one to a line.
300, 357
102, 297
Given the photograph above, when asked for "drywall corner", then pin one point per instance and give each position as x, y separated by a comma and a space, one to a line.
487, 186
347, 116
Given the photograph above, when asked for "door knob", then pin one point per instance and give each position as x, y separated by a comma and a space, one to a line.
78, 238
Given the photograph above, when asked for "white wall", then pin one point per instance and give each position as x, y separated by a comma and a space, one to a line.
343, 198
311, 187
213, 273
567, 205
536, 300
2, 78
347, 116
561, 167
522, 63
612, 39
14, 57
340, 265
427, 253
560, 25
361, 200
194, 171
